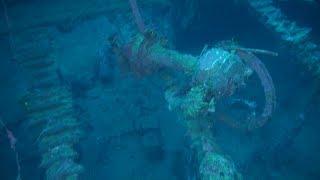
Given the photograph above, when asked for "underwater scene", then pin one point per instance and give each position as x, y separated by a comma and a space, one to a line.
160, 89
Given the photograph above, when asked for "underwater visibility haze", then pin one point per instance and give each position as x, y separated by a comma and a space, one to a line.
159, 89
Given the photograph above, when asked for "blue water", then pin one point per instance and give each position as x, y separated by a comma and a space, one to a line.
128, 128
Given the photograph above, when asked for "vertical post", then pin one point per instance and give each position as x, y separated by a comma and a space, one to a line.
137, 15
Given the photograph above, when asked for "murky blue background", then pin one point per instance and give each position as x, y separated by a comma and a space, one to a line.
129, 131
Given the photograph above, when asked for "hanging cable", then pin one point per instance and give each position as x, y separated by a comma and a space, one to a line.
9, 27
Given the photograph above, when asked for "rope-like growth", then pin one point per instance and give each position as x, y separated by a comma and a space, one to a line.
49, 106
295, 36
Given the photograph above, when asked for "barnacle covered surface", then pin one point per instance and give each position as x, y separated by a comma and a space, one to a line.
49, 105
89, 96
297, 36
